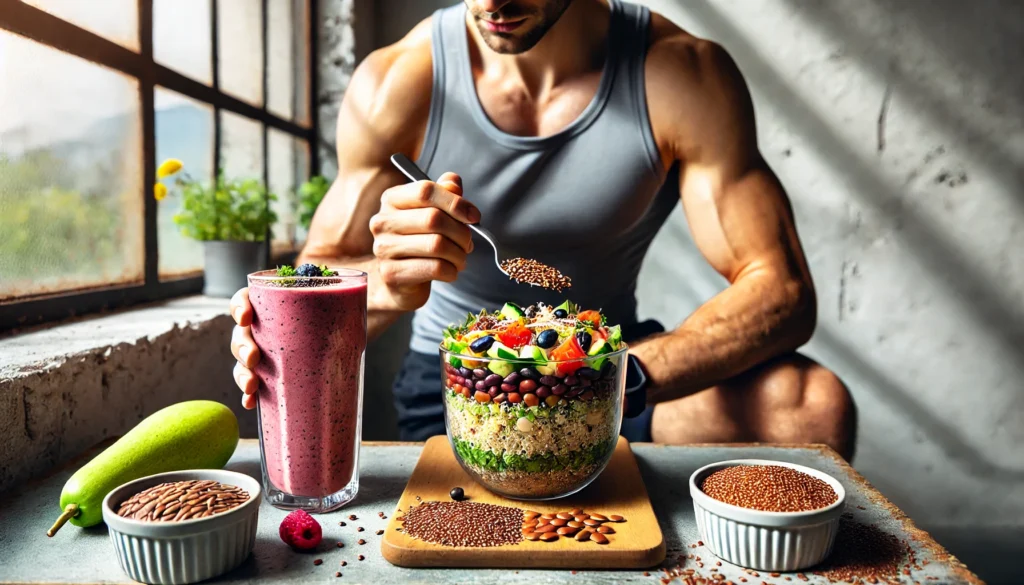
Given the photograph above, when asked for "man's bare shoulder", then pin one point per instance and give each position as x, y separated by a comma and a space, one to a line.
390, 90
692, 84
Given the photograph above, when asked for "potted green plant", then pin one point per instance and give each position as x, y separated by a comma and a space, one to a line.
311, 193
231, 217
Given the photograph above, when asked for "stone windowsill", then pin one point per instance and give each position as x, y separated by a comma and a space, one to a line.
65, 387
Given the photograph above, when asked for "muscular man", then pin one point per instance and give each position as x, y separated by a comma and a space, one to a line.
570, 129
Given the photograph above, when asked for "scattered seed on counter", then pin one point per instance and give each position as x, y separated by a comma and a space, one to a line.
864, 552
771, 488
360, 557
361, 541
344, 563
337, 573
360, 529
465, 524
352, 517
341, 524
379, 532
318, 562
341, 545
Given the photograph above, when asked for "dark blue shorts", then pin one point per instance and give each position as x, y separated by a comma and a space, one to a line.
418, 394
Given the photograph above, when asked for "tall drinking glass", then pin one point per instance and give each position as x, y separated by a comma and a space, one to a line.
311, 333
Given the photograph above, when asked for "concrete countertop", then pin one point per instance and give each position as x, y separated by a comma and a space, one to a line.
86, 556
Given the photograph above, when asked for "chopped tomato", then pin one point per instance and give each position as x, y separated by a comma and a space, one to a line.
566, 353
515, 335
599, 333
593, 316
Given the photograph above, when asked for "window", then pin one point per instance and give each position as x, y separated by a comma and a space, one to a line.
95, 95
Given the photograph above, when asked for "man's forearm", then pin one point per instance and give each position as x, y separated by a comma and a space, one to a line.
753, 320
378, 316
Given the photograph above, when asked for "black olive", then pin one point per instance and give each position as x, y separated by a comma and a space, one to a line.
457, 494
482, 344
529, 374
584, 340
561, 313
547, 339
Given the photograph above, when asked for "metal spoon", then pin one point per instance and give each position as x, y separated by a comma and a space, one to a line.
415, 173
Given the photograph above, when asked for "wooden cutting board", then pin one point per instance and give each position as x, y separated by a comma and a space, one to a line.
637, 542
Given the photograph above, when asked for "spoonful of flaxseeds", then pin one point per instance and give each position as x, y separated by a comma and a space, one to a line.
521, 270
534, 273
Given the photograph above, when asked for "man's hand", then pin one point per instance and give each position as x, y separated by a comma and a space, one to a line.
243, 347
420, 235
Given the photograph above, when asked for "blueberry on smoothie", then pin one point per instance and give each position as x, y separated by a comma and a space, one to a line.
308, 270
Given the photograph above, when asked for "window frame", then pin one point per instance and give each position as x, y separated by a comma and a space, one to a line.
40, 26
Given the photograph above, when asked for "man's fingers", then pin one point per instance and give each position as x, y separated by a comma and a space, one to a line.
389, 246
428, 194
248, 401
452, 182
241, 310
416, 271
244, 348
427, 220
245, 379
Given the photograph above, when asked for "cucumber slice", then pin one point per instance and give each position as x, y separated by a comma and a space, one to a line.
512, 311
500, 367
501, 351
457, 347
533, 353
546, 369
600, 347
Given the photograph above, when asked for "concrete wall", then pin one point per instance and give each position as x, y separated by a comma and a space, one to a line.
897, 129
64, 389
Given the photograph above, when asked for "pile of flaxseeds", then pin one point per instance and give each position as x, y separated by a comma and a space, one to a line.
534, 273
576, 524
182, 500
770, 488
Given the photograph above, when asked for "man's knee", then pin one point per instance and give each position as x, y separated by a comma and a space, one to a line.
804, 402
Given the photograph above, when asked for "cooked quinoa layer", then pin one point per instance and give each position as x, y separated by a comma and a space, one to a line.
531, 439
547, 484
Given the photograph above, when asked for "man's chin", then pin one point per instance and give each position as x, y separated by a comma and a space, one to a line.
509, 44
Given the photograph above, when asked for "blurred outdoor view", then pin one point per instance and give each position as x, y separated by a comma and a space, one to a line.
70, 178
71, 169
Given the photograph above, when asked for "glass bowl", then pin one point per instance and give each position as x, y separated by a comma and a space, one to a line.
532, 431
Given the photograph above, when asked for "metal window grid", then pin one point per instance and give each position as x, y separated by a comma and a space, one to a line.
42, 27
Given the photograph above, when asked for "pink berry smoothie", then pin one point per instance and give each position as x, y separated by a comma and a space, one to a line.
311, 341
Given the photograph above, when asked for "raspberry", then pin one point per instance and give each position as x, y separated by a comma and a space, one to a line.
300, 531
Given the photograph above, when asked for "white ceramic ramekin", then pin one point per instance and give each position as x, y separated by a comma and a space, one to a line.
766, 541
175, 553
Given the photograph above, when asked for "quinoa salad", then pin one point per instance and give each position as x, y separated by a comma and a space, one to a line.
533, 397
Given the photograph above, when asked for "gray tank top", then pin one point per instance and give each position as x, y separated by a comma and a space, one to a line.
587, 200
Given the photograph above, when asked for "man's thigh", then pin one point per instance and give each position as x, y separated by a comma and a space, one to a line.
789, 399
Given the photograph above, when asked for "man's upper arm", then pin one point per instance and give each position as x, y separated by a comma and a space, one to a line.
738, 212
384, 111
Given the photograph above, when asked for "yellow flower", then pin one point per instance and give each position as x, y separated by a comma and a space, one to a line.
159, 191
168, 168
